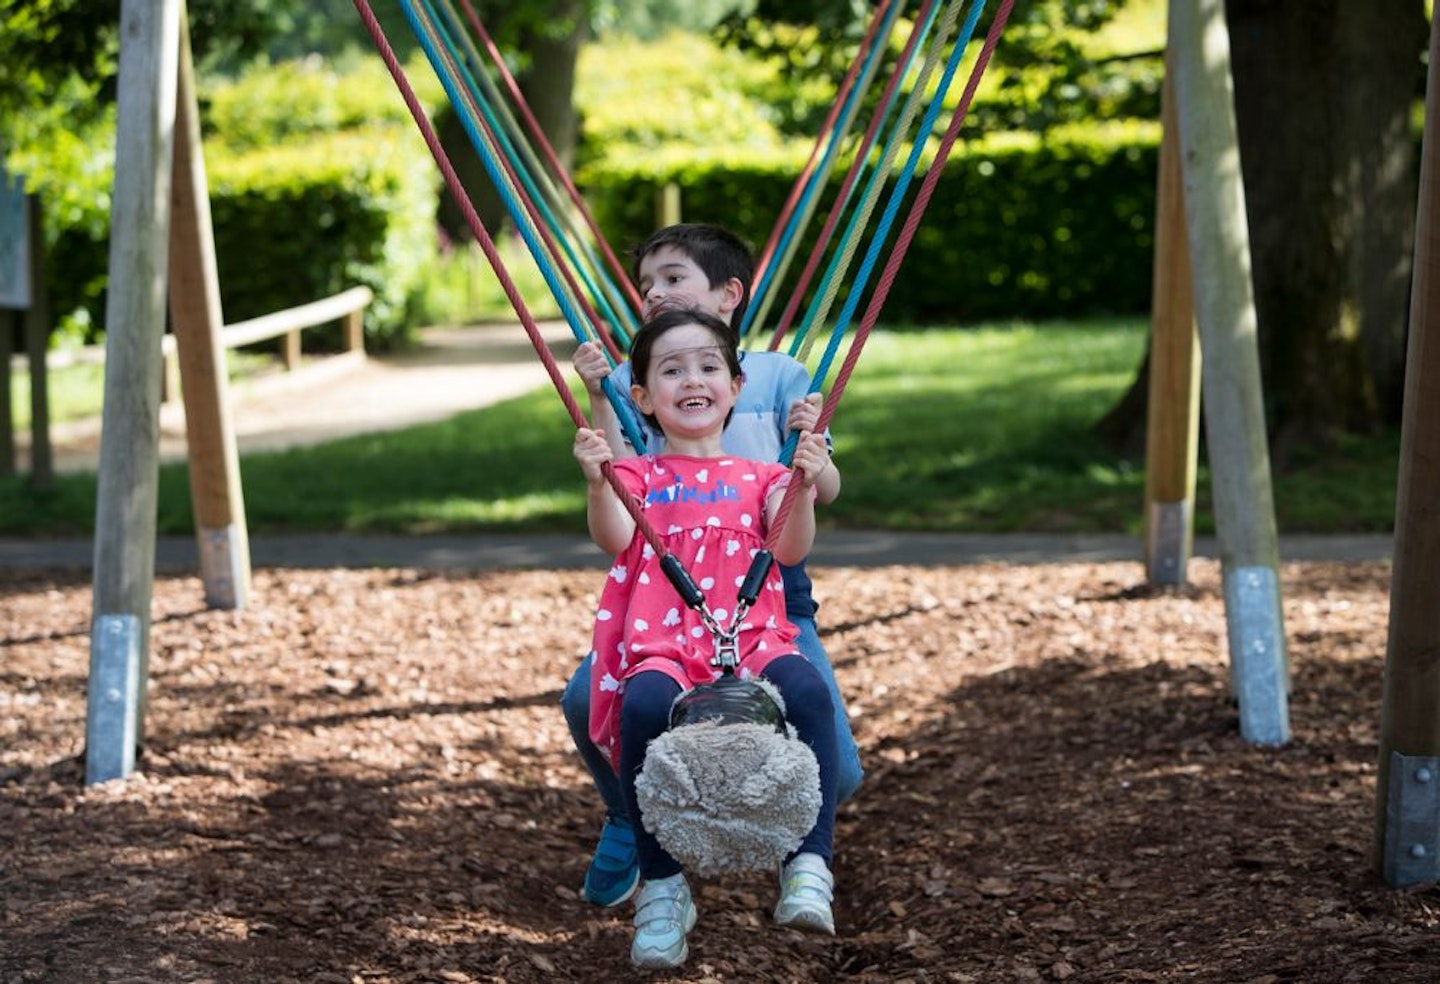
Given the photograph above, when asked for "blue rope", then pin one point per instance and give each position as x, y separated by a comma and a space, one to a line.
578, 327
506, 147
820, 175
887, 219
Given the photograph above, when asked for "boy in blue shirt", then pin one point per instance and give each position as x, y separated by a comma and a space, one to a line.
705, 268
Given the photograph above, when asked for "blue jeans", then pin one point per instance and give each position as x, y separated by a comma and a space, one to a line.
575, 703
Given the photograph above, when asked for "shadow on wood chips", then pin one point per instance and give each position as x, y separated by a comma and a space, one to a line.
365, 776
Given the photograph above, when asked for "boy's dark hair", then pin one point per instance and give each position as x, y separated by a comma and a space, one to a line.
718, 252
650, 332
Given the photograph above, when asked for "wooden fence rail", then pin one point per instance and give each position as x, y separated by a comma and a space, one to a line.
347, 306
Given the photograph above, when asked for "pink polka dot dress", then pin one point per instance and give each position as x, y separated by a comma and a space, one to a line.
711, 514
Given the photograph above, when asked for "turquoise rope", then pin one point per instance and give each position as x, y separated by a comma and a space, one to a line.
609, 297
818, 177
887, 219
503, 145
497, 176
837, 261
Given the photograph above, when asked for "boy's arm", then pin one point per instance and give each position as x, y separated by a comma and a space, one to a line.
611, 525
593, 367
804, 415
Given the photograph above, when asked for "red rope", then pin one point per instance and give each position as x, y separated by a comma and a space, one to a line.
851, 74
487, 245
536, 219
902, 244
621, 274
856, 167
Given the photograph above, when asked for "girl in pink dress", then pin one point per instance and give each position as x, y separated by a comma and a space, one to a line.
714, 512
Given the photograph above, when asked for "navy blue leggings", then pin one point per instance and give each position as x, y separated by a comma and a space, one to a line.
645, 714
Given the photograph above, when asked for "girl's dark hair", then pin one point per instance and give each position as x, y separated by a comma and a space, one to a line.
651, 331
718, 252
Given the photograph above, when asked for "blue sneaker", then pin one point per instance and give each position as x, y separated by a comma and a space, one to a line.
614, 871
664, 914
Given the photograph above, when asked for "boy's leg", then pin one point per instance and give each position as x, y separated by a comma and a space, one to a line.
849, 771
613, 872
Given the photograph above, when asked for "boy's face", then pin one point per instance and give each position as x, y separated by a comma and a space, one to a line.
670, 280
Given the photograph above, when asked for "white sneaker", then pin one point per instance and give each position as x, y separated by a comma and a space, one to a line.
664, 913
806, 890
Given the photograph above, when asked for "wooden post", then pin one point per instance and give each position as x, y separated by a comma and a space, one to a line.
667, 205
290, 350
1234, 410
128, 484
1407, 829
1173, 408
222, 540
37, 341
7, 398
354, 330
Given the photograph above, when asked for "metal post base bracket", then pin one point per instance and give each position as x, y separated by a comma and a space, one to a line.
221, 567
1168, 542
1412, 821
1257, 654
113, 698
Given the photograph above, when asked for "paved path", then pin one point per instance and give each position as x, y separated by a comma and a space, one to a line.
453, 370
460, 369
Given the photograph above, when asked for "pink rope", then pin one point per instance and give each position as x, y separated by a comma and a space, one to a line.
487, 245
550, 156
902, 245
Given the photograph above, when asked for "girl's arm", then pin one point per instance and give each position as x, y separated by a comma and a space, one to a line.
611, 526
798, 534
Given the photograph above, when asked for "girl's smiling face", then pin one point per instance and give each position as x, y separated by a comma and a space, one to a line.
689, 387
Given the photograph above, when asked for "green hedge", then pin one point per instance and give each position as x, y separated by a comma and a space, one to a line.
318, 183
299, 222
1018, 226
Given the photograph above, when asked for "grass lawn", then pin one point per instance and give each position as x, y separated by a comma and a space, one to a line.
978, 429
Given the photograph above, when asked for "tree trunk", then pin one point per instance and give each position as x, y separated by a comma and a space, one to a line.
1323, 91
549, 82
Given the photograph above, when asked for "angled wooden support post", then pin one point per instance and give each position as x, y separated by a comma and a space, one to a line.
1407, 828
221, 536
1234, 410
128, 485
1172, 433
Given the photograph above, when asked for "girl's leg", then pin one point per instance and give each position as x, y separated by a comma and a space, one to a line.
644, 716
809, 708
